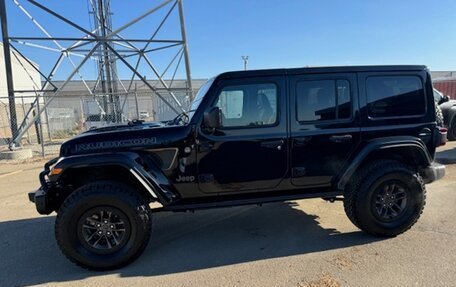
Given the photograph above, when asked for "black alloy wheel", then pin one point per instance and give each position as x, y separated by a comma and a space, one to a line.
390, 201
104, 230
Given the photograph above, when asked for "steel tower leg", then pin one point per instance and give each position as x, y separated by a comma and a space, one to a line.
9, 73
185, 49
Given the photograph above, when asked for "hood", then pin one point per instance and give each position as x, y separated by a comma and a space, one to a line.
448, 105
126, 137
126, 126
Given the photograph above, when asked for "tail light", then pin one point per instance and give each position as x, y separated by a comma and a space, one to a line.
443, 136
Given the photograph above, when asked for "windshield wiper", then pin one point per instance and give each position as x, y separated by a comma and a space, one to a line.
135, 122
180, 118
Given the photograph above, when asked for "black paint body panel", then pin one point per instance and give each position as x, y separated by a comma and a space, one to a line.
239, 165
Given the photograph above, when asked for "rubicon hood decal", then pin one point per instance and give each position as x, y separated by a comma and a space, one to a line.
137, 142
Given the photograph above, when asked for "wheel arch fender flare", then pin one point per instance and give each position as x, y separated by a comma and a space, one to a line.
153, 180
390, 144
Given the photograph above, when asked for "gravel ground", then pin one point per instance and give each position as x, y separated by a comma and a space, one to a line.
302, 243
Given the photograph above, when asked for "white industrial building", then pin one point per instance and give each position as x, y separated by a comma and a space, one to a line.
26, 77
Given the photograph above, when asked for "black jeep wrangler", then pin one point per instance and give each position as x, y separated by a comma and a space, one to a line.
365, 134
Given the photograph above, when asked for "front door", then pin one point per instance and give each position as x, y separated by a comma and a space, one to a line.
324, 126
249, 151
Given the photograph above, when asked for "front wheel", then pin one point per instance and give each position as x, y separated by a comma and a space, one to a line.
103, 225
439, 115
387, 200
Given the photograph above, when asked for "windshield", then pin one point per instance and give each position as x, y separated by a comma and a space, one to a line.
199, 97
437, 96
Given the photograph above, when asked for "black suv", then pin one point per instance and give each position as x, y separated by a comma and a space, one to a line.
367, 134
446, 113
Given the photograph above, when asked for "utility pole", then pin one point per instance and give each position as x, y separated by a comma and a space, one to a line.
246, 61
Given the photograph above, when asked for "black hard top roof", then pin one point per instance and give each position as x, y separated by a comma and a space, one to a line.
321, 70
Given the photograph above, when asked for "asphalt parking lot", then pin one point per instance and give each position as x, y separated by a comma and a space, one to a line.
302, 243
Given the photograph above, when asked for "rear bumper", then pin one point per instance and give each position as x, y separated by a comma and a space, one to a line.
433, 172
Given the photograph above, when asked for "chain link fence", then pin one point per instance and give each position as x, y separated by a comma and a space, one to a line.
70, 114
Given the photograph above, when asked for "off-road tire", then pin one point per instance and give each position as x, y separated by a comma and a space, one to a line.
439, 115
353, 186
452, 130
110, 195
358, 198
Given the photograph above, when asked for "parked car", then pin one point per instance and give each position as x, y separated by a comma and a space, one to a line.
448, 110
144, 115
366, 135
96, 121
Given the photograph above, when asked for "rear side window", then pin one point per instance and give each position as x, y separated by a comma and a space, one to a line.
395, 96
323, 100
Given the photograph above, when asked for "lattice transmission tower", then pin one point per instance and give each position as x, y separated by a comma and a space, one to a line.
106, 63
108, 47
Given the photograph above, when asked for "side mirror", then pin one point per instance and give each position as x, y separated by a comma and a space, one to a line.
212, 118
443, 99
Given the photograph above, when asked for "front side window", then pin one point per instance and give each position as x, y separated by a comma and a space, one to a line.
231, 103
395, 96
248, 105
323, 100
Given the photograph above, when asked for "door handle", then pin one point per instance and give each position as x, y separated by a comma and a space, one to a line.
273, 144
205, 146
340, 138
301, 141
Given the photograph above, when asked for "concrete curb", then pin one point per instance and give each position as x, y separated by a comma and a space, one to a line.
16, 154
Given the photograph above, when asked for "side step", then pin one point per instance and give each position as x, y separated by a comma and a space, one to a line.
218, 201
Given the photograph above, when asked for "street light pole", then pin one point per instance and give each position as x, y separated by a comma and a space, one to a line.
246, 61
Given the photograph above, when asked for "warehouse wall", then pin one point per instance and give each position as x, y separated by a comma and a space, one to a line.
25, 78
446, 87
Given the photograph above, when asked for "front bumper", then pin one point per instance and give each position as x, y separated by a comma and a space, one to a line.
40, 197
433, 172
41, 201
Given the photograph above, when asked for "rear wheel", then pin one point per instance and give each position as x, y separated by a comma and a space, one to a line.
387, 200
103, 225
452, 130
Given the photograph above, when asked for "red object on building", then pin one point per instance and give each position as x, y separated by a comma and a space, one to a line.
446, 87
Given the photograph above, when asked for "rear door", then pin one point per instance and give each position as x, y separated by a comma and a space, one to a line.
250, 150
397, 104
324, 126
